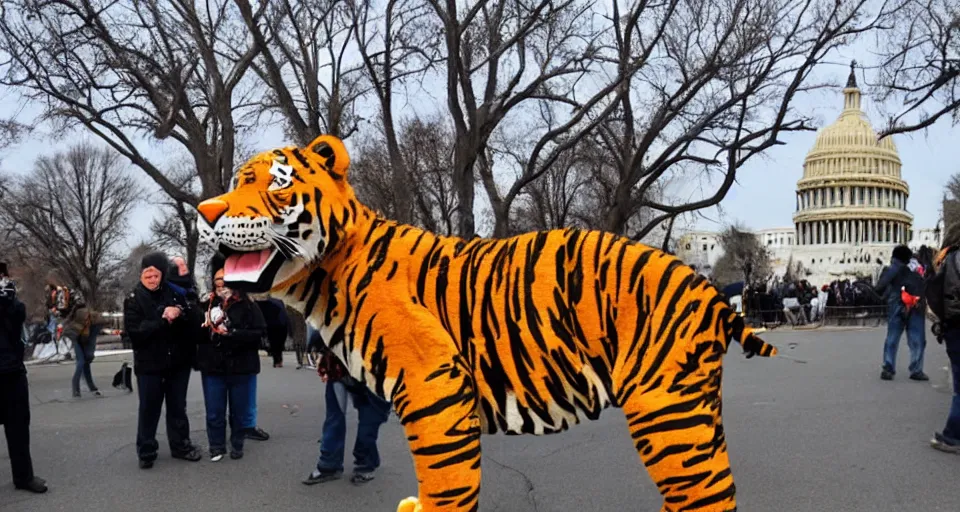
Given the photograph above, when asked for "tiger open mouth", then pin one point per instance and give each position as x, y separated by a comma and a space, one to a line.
251, 271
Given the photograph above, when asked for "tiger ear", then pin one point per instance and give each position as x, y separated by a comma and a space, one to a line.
332, 154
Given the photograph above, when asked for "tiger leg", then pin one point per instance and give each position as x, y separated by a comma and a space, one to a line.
678, 433
438, 410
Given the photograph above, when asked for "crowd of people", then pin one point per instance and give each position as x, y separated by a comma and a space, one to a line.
175, 330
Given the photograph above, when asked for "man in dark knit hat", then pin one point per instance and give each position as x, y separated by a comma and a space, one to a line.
903, 277
161, 325
14, 393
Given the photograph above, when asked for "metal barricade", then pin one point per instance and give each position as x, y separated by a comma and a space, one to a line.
859, 316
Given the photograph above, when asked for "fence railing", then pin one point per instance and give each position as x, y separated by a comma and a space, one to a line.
860, 316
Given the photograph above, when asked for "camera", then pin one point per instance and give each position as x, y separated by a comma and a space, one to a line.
8, 290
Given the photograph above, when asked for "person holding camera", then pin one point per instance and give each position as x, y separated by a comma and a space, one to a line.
14, 392
229, 361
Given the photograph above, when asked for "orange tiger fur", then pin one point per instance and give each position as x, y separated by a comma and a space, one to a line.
523, 335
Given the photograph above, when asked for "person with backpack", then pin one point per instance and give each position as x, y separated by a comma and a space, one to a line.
902, 287
81, 327
943, 296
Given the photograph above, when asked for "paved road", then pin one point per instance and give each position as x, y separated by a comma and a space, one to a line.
823, 434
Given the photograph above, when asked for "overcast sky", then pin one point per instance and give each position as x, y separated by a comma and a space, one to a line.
763, 197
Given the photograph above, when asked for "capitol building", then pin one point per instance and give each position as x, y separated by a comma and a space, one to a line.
851, 206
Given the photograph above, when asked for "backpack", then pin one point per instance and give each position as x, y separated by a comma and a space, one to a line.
913, 285
936, 293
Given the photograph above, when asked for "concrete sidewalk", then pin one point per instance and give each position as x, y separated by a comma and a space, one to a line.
824, 434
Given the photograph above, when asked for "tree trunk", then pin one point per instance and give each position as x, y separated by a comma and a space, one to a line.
616, 221
403, 202
465, 182
501, 216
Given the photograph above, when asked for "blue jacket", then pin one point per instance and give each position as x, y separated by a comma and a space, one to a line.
890, 282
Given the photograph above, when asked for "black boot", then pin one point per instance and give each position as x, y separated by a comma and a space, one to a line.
37, 485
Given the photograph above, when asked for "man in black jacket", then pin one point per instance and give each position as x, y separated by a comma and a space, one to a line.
14, 395
161, 325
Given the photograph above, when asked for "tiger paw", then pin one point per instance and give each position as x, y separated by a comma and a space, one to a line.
409, 505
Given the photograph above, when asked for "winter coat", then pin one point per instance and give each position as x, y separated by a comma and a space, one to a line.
234, 353
159, 346
275, 315
80, 322
12, 315
890, 282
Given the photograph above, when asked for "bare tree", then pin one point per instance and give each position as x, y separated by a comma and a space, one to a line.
427, 154
744, 258
397, 47
125, 71
920, 64
10, 132
72, 213
175, 229
307, 61
498, 56
716, 88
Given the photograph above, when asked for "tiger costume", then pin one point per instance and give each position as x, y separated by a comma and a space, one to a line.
524, 335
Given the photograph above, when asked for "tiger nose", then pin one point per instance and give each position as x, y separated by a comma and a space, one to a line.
212, 209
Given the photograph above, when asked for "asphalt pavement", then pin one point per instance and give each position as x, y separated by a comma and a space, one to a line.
813, 431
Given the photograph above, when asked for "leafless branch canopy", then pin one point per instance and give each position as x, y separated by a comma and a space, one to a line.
72, 214
920, 64
136, 69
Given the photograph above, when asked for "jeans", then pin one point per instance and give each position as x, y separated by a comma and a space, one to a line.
218, 392
916, 337
15, 416
952, 340
154, 390
249, 416
372, 412
84, 348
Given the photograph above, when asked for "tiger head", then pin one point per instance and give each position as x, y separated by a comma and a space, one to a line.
285, 211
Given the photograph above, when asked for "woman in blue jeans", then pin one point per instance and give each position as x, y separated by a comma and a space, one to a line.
81, 329
229, 362
371, 412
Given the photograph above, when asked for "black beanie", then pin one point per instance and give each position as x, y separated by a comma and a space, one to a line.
902, 253
157, 260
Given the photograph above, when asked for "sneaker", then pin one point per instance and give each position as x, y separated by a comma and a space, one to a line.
236, 454
319, 477
941, 443
96, 392
76, 394
37, 485
257, 434
886, 375
919, 376
361, 478
217, 455
146, 464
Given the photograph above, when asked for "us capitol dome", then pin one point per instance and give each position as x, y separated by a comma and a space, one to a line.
851, 206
